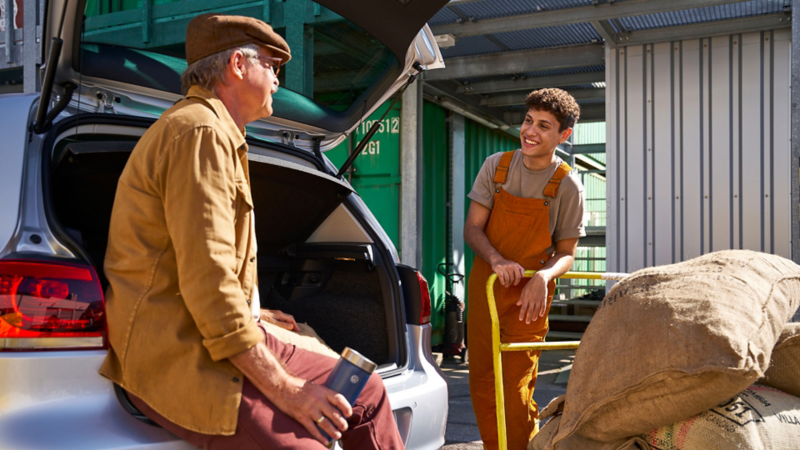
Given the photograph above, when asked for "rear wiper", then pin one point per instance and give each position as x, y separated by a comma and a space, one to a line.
376, 125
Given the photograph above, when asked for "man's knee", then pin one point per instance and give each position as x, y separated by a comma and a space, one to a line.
374, 390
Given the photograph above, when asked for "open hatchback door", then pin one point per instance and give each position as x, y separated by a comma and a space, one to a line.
348, 57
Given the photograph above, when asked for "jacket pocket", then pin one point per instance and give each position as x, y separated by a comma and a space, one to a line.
243, 196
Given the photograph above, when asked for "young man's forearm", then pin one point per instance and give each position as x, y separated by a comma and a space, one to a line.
558, 265
479, 243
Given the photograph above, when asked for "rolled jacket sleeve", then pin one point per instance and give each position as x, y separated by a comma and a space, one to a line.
198, 183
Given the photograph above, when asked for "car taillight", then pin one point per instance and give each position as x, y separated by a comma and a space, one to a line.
50, 306
425, 300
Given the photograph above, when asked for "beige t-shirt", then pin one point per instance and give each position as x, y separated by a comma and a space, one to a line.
566, 210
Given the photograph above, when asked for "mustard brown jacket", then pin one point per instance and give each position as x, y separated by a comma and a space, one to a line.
181, 266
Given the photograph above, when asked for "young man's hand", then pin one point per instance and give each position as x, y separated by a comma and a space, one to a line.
508, 272
533, 300
280, 319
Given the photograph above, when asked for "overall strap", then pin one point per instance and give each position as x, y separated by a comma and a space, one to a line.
501, 172
551, 190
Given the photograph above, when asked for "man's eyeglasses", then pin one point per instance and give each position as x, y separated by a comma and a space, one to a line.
273, 63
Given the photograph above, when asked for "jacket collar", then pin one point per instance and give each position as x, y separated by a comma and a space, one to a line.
228, 126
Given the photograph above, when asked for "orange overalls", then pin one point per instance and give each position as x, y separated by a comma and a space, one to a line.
519, 229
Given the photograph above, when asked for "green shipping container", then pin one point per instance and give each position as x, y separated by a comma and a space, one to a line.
434, 209
375, 174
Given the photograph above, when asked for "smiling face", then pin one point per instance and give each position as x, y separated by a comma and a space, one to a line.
539, 137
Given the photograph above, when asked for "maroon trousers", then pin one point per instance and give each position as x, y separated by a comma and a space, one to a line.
263, 426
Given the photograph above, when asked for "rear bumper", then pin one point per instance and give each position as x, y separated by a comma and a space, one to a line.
57, 400
419, 395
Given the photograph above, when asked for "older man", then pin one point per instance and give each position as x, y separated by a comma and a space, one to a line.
183, 308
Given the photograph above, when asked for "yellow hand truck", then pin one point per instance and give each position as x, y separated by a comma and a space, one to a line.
499, 347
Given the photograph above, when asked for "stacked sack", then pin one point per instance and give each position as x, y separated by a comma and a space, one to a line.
672, 342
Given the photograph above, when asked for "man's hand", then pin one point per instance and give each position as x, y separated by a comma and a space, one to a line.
280, 319
508, 272
306, 403
533, 300
299, 399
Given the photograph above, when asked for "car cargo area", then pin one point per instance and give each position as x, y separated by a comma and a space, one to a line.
342, 289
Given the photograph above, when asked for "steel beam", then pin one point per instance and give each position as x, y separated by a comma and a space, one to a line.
518, 98
589, 113
606, 31
32, 48
602, 11
9, 36
444, 94
588, 148
795, 120
411, 176
519, 62
531, 83
705, 30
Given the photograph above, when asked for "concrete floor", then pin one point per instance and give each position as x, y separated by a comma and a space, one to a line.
462, 430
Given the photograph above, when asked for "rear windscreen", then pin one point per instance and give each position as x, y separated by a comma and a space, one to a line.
333, 61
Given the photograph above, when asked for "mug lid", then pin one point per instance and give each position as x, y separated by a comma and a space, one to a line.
358, 360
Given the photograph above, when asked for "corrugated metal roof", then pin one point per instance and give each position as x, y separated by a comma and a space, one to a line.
469, 46
579, 33
541, 73
700, 15
445, 15
488, 9
592, 101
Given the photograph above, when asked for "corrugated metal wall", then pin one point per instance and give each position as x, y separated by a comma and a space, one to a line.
480, 142
434, 209
698, 148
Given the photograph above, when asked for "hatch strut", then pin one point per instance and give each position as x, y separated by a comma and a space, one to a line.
376, 125
44, 120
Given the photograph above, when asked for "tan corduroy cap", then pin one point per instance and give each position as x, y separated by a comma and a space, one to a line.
212, 33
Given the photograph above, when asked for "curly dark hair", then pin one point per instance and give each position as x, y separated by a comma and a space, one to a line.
557, 102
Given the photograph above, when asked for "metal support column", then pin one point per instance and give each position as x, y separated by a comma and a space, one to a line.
795, 164
411, 176
299, 74
9, 31
457, 201
33, 43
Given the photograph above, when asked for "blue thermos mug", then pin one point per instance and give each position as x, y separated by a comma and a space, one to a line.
349, 376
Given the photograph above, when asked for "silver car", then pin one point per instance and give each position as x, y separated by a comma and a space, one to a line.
113, 68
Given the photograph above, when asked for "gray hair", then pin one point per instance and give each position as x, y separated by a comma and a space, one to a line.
206, 72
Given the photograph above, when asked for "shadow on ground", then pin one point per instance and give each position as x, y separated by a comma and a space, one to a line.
462, 430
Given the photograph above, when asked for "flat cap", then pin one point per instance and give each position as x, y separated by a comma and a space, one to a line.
212, 33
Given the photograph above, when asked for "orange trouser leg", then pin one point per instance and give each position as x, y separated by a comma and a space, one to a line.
519, 370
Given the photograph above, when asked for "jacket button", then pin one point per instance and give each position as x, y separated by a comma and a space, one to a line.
546, 203
497, 190
540, 262
235, 379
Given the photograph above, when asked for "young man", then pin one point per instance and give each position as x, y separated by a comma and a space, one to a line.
526, 214
183, 308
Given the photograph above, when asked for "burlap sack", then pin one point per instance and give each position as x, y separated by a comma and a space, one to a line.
760, 418
306, 338
541, 441
784, 367
670, 342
